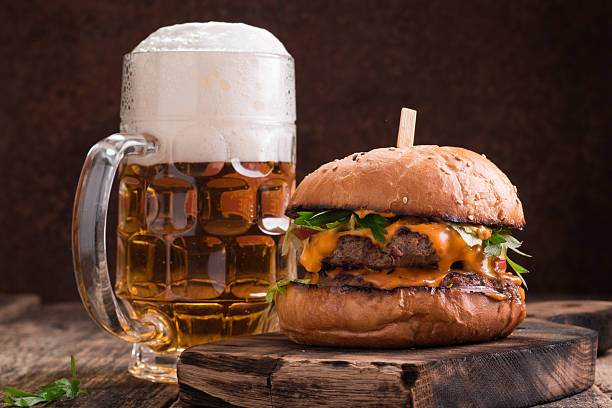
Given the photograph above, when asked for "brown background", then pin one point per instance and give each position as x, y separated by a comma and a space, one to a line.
527, 83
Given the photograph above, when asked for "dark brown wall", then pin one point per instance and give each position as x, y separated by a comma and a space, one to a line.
527, 83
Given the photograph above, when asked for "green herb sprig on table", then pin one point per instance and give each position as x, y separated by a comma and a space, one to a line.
62, 388
281, 287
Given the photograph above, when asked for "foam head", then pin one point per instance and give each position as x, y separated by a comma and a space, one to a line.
212, 36
212, 92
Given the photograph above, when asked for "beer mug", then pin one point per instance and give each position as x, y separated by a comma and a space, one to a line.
205, 163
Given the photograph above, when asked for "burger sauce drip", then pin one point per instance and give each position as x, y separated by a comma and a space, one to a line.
447, 243
449, 246
391, 279
318, 247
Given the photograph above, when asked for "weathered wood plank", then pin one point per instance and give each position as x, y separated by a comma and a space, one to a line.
14, 306
540, 362
37, 351
593, 314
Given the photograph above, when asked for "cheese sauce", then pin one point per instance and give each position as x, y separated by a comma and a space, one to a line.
393, 278
447, 243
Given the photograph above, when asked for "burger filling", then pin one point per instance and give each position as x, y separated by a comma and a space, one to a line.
384, 251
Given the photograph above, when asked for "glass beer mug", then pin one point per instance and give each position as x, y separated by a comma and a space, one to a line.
205, 164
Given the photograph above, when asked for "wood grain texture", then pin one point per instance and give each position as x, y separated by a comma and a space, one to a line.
540, 362
596, 315
590, 398
14, 306
36, 351
405, 134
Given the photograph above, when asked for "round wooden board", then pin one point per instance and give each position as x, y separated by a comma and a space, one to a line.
592, 314
541, 361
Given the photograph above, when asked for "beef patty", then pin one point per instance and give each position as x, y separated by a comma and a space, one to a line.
453, 279
405, 249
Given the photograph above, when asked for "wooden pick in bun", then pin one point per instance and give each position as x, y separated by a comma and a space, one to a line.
403, 247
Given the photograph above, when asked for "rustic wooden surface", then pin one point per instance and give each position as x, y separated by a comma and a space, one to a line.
591, 398
603, 373
36, 349
540, 362
14, 306
596, 315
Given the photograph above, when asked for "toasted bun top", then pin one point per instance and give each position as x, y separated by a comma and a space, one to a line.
451, 183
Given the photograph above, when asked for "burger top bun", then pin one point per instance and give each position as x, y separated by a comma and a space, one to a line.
451, 183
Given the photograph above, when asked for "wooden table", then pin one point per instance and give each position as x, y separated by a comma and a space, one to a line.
37, 343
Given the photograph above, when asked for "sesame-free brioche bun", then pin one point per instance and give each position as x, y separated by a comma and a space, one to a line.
451, 183
404, 317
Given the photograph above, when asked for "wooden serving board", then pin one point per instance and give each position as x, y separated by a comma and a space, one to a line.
541, 361
592, 314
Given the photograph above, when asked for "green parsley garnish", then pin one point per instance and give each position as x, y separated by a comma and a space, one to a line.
376, 224
325, 220
499, 243
62, 388
281, 287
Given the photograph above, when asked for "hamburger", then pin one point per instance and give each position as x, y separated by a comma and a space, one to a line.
403, 247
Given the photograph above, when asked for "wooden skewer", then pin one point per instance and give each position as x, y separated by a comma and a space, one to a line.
405, 135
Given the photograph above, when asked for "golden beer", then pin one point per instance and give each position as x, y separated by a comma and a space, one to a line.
199, 245
205, 158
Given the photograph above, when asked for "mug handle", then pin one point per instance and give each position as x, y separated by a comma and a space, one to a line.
89, 241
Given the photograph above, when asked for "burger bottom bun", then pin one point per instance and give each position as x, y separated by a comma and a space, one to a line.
405, 317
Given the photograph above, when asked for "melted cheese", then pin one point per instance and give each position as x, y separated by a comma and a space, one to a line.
447, 243
318, 247
323, 243
496, 296
362, 212
449, 246
513, 278
394, 278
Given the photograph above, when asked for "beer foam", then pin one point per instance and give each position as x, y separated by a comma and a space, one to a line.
212, 36
211, 92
